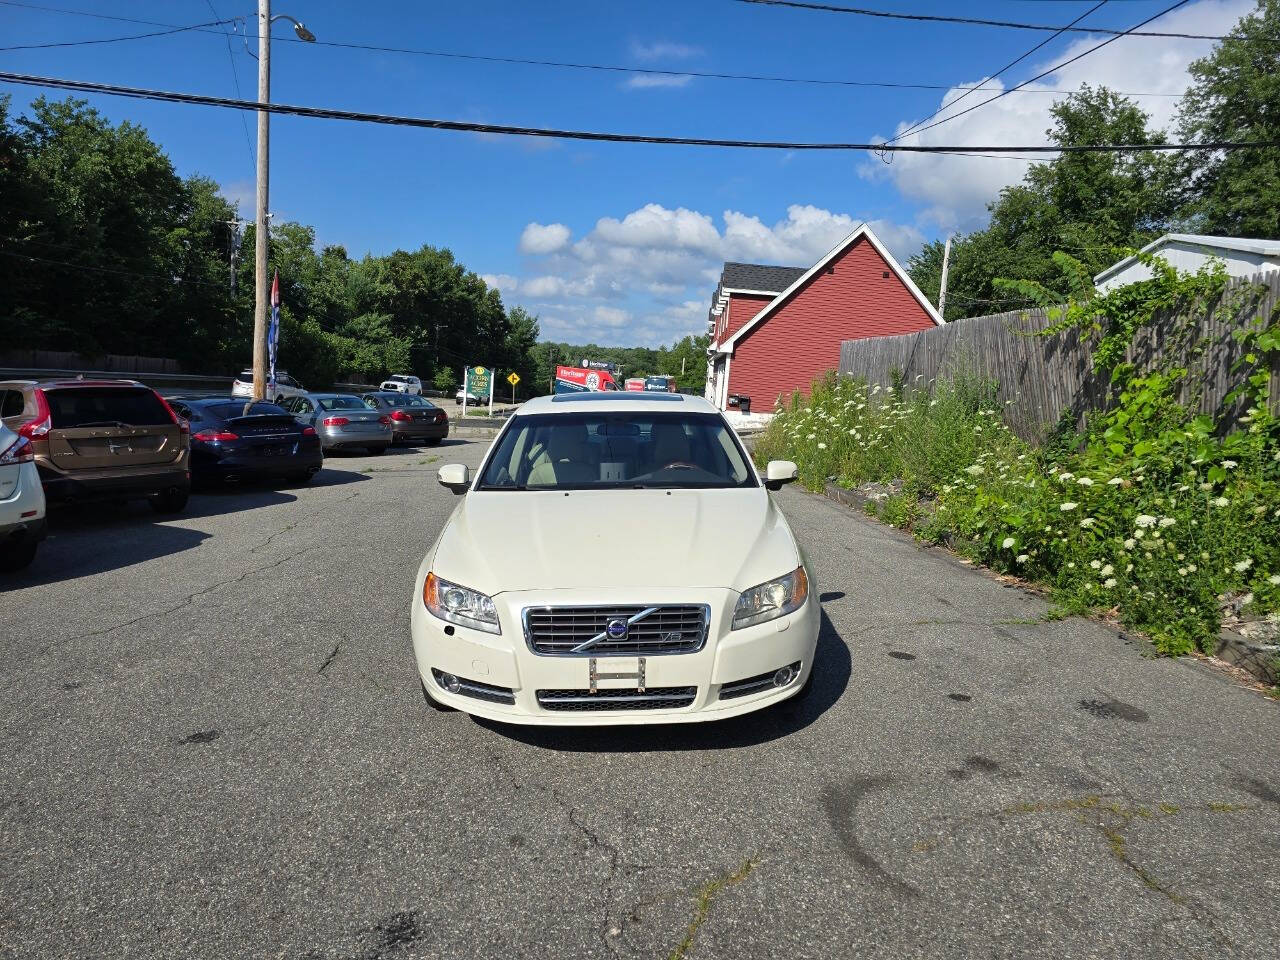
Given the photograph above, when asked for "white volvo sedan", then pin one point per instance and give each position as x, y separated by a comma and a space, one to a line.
616, 559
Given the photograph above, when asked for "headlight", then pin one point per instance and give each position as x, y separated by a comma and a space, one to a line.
771, 600
460, 605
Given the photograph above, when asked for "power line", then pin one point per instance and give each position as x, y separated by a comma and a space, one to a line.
1053, 69
135, 36
93, 269
573, 65
1011, 63
235, 79
973, 21
331, 113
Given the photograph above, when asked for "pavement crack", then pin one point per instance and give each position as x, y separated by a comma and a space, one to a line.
329, 659
706, 895
186, 601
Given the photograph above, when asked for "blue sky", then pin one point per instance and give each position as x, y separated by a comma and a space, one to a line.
619, 244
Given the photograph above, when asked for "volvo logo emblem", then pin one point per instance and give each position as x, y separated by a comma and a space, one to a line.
616, 629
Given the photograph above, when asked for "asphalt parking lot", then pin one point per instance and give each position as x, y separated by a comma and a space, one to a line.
214, 745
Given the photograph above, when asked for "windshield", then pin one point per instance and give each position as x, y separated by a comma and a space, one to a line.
580, 451
407, 400
396, 378
341, 403
105, 406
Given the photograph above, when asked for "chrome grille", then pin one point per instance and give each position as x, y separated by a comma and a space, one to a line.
652, 629
653, 698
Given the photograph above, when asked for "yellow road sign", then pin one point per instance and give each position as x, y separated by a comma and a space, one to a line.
513, 379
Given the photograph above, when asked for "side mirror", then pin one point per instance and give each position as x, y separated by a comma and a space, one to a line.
779, 472
455, 476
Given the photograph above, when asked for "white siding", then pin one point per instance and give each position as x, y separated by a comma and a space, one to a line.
1190, 257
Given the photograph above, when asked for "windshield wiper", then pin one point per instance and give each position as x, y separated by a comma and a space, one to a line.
106, 423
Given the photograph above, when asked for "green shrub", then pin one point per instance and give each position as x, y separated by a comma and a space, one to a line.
1152, 512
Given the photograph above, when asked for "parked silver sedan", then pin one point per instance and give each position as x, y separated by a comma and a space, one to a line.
342, 421
413, 418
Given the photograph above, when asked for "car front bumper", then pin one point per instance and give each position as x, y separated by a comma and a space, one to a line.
498, 668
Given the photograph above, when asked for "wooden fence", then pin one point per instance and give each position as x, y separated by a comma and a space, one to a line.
1047, 376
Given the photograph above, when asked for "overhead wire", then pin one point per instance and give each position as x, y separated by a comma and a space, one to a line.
1045, 73
973, 21
235, 80
332, 113
136, 36
577, 65
1012, 63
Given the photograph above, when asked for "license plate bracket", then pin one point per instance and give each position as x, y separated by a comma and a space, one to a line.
594, 676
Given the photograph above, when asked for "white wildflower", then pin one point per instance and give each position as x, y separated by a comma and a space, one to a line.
1087, 522
1130, 543
1243, 565
1109, 582
1274, 579
822, 446
1008, 543
1230, 464
1068, 506
1167, 521
1220, 502
1115, 481
1022, 558
1096, 564
1107, 571
1145, 520
1084, 482
974, 470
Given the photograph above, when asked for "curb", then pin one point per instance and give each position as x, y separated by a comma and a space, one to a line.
1257, 658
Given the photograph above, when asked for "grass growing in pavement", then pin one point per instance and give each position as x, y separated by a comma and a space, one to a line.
1153, 512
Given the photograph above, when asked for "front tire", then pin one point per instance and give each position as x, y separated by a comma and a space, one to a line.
17, 558
171, 501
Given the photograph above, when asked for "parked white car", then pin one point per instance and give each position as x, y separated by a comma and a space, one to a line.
286, 386
402, 383
617, 560
22, 520
469, 397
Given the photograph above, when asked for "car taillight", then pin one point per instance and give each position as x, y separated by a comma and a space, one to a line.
441, 416
216, 436
20, 451
308, 431
335, 421
385, 420
43, 421
400, 416
183, 425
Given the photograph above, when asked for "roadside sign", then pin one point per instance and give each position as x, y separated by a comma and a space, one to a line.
513, 379
477, 382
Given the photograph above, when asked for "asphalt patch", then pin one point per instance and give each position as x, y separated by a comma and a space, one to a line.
841, 806
959, 697
393, 932
1114, 710
900, 655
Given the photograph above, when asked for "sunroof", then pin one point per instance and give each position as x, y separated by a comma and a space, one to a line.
614, 395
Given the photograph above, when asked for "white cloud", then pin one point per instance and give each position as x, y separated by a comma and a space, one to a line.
504, 282
648, 275
955, 190
647, 81
243, 195
665, 51
538, 238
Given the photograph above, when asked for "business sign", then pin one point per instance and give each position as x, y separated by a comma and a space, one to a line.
479, 382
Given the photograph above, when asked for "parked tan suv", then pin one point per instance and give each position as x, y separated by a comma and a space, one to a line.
102, 440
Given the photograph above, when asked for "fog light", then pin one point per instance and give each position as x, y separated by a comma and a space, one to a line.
449, 682
784, 676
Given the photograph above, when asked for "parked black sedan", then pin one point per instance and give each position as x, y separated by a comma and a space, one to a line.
413, 418
228, 445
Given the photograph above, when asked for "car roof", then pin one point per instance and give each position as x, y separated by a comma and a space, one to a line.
63, 384
616, 402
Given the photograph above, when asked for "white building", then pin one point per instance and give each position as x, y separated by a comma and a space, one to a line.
1188, 252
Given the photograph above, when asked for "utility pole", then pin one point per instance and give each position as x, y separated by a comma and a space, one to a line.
942, 287
260, 239
234, 226
261, 307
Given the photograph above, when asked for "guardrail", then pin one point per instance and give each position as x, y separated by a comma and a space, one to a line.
150, 378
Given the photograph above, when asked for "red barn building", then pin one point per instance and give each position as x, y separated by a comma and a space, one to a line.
775, 329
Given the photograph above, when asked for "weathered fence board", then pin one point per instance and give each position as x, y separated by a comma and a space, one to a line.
1048, 377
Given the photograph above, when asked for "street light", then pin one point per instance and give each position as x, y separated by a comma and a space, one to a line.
260, 306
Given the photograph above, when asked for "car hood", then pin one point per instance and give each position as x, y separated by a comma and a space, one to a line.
497, 542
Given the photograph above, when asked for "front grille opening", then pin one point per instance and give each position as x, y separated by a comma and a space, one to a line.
678, 628
773, 680
472, 688
653, 698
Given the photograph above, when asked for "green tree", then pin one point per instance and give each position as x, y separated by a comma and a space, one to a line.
1235, 96
1086, 204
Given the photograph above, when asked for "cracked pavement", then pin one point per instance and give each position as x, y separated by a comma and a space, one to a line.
214, 746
